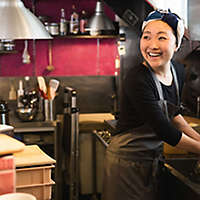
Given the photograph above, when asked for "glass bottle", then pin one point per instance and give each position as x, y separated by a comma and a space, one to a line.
83, 22
74, 21
63, 23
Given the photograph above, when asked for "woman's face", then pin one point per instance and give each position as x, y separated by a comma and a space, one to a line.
158, 43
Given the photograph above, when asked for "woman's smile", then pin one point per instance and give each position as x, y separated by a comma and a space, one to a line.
153, 54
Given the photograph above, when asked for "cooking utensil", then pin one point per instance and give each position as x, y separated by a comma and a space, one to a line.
26, 114
25, 55
53, 86
50, 67
42, 86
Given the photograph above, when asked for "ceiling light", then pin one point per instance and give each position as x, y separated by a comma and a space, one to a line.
18, 22
99, 21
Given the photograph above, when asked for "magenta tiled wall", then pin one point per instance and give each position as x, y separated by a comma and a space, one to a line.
71, 57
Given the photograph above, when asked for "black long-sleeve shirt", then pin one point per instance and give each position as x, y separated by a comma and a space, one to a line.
138, 104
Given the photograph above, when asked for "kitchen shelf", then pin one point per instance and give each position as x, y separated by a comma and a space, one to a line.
8, 52
88, 36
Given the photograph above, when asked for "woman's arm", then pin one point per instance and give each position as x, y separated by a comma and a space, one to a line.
189, 144
190, 140
182, 125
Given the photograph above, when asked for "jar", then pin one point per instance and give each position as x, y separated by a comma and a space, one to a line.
8, 45
54, 29
4, 112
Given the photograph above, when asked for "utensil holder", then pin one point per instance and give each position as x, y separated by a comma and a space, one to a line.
48, 110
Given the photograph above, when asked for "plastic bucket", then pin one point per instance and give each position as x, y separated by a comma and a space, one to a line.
17, 196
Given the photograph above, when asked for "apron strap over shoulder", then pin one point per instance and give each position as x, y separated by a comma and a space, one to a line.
158, 85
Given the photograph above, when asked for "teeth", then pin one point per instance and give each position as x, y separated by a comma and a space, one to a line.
154, 54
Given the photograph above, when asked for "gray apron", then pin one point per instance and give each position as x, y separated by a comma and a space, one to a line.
134, 160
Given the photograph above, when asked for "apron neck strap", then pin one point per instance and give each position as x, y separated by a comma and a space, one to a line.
158, 84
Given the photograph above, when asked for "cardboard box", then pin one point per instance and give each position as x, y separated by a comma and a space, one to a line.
40, 191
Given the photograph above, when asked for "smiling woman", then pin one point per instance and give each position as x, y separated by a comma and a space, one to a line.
150, 113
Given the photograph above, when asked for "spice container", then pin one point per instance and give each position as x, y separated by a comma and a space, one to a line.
54, 28
8, 45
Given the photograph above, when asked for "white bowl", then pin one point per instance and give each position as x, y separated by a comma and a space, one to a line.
17, 196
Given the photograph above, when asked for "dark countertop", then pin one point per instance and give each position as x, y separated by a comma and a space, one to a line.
34, 126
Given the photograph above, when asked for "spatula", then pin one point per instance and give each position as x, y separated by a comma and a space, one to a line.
42, 86
53, 86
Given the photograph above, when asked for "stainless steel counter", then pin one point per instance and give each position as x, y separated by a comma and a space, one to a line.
34, 126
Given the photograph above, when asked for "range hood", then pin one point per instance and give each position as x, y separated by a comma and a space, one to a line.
132, 12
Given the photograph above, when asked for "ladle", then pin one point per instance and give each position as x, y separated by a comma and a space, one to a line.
50, 67
26, 56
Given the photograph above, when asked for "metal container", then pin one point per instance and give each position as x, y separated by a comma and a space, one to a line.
4, 112
53, 28
8, 45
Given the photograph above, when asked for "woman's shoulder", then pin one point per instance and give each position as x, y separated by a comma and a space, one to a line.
137, 72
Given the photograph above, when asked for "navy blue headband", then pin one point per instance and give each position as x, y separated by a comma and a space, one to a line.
170, 18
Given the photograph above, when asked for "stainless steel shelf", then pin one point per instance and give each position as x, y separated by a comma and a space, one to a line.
8, 52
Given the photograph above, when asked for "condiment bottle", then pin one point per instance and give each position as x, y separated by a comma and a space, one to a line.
63, 23
74, 21
20, 92
83, 22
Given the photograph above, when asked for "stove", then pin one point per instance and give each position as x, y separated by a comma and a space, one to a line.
109, 129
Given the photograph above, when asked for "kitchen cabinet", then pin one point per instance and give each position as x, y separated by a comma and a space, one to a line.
40, 133
91, 152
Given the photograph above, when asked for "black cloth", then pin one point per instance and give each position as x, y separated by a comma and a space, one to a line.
138, 103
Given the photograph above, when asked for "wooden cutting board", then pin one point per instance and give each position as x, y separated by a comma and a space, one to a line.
95, 117
32, 155
9, 145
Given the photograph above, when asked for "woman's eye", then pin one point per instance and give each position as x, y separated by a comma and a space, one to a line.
145, 37
162, 38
